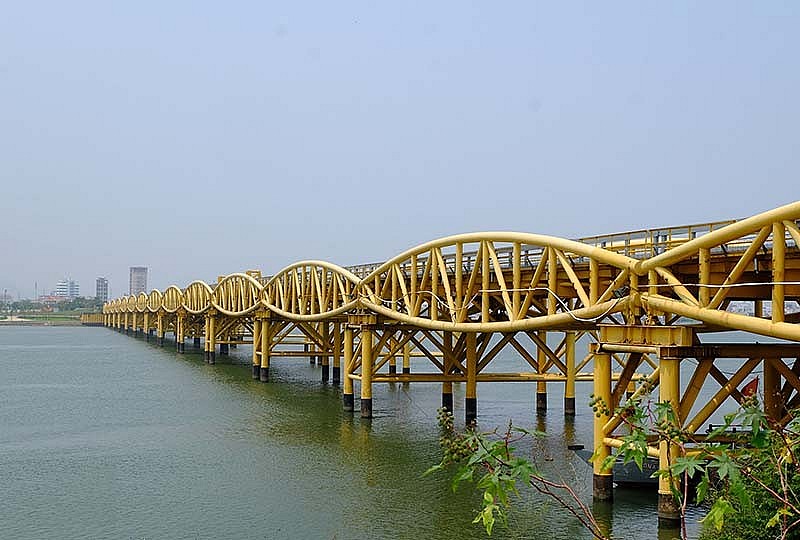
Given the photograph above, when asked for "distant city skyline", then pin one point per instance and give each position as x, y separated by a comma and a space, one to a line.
211, 140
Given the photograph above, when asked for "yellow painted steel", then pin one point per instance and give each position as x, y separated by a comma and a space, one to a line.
458, 301
569, 358
669, 392
602, 393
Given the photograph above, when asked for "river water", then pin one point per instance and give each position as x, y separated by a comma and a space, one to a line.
107, 436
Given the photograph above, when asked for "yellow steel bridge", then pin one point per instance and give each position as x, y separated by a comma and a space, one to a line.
642, 297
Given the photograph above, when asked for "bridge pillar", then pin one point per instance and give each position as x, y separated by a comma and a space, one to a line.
773, 398
160, 329
348, 400
602, 479
541, 386
146, 328
337, 353
224, 348
407, 359
256, 359
266, 348
179, 332
392, 358
447, 361
211, 339
669, 514
326, 360
367, 365
471, 399
196, 342
569, 388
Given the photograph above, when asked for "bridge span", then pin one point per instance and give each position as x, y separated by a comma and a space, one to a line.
644, 298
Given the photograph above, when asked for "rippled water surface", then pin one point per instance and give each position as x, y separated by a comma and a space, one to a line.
106, 436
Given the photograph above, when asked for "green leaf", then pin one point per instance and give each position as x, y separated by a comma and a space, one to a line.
464, 473
688, 465
702, 488
778, 517
716, 516
433, 469
487, 517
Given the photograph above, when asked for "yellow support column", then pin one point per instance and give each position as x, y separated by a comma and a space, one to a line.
392, 360
337, 353
160, 329
179, 330
256, 360
569, 387
773, 400
211, 338
348, 399
146, 326
266, 349
447, 361
602, 479
669, 388
778, 272
326, 360
135, 323
367, 365
406, 358
541, 386
471, 399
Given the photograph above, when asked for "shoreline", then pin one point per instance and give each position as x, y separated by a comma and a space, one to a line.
54, 322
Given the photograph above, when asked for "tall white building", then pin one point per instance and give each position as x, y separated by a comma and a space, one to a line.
138, 281
67, 288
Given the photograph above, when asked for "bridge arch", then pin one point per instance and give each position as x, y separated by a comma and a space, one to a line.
237, 294
154, 300
311, 291
751, 259
172, 299
498, 281
197, 297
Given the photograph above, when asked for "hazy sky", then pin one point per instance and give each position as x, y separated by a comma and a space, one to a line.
203, 138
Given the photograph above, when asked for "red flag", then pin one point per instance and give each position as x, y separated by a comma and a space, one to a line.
750, 388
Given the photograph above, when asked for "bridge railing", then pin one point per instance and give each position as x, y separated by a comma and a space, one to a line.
640, 244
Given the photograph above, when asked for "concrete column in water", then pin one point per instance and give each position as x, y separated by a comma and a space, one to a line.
266, 348
669, 514
569, 388
348, 399
447, 360
256, 347
541, 386
602, 479
471, 400
337, 353
196, 342
366, 372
